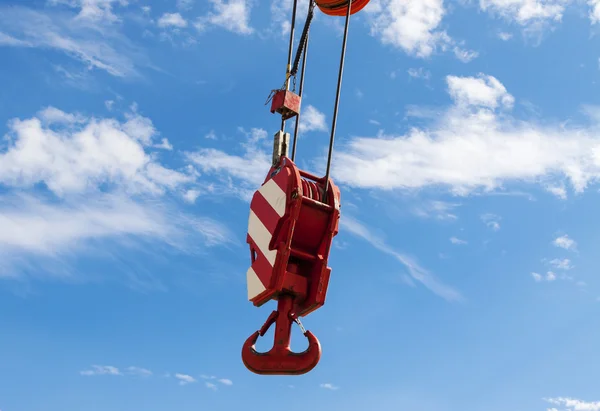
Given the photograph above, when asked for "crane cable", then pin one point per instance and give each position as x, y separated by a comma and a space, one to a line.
303, 45
292, 71
337, 98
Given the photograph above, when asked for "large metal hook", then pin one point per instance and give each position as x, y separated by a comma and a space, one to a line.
281, 360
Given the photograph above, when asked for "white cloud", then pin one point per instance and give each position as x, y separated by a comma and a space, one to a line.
561, 264
311, 119
572, 404
537, 277
416, 272
103, 47
565, 242
410, 25
72, 154
73, 182
329, 386
225, 381
231, 15
470, 147
210, 385
485, 91
171, 20
491, 220
558, 190
594, 11
101, 370
464, 55
526, 11
550, 276
413, 27
185, 379
191, 195
457, 241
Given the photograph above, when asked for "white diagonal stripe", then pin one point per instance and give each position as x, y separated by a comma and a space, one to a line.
255, 286
261, 236
274, 195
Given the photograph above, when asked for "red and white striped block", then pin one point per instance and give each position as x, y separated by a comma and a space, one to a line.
266, 209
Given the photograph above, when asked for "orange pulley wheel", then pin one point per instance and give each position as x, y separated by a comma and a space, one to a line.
340, 7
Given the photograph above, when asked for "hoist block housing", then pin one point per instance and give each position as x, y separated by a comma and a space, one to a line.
340, 8
286, 103
290, 232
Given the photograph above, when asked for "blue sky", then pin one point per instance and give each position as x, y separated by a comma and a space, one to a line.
465, 271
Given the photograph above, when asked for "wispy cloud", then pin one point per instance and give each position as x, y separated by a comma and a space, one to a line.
139, 371
211, 380
561, 263
6, 40
457, 241
491, 220
185, 4
552, 276
185, 379
248, 169
416, 272
504, 36
329, 386
90, 40
440, 210
101, 370
419, 73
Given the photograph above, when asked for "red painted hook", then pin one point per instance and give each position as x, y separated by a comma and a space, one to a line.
280, 360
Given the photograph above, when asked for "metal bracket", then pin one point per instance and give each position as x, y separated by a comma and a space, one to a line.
281, 143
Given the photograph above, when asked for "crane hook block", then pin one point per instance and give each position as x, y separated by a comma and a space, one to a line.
340, 7
286, 103
291, 227
280, 360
